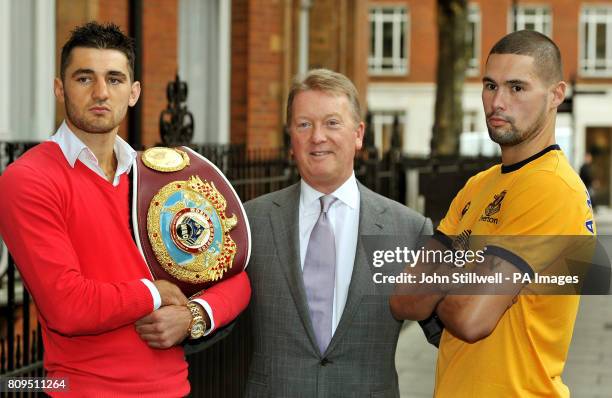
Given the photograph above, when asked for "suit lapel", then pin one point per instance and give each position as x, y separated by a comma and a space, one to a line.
371, 222
285, 227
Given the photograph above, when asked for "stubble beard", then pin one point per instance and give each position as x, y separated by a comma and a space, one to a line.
95, 126
511, 135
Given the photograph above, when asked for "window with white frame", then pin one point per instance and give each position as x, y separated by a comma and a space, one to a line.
383, 124
472, 38
596, 41
532, 17
388, 40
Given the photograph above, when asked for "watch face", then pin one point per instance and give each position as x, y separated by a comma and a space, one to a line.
197, 330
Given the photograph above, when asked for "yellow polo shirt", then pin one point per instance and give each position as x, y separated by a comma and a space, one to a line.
524, 356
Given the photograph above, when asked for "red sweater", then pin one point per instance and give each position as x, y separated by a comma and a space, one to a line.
68, 231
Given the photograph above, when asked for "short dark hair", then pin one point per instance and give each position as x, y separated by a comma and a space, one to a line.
545, 53
102, 36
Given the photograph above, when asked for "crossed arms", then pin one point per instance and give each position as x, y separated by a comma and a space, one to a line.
468, 316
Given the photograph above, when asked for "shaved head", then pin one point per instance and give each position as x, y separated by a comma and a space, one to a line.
545, 53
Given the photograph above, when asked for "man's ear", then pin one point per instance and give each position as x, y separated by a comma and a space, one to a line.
134, 94
558, 93
58, 89
360, 132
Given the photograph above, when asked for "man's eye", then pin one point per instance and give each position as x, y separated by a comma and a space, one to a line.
516, 89
83, 79
333, 123
490, 86
303, 125
114, 81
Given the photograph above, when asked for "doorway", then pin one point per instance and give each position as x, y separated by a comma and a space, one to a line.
599, 144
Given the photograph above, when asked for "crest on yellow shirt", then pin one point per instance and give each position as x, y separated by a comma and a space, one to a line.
495, 206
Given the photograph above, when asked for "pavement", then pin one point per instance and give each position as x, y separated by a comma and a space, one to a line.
588, 371
415, 360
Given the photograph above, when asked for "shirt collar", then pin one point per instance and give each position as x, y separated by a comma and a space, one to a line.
72, 148
347, 193
125, 155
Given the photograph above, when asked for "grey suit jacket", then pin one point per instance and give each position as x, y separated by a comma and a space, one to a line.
360, 360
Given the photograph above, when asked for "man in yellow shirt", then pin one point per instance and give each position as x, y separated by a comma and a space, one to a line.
510, 345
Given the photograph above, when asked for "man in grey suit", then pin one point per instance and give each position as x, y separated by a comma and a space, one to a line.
321, 327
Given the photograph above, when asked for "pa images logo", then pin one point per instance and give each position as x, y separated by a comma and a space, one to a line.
493, 208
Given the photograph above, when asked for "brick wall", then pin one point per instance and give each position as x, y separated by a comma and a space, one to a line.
338, 39
116, 11
326, 20
239, 76
422, 41
356, 51
494, 25
264, 125
264, 59
257, 72
160, 19
566, 14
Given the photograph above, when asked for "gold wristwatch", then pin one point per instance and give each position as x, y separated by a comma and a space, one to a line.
198, 324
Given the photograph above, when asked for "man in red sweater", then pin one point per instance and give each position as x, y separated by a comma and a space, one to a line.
64, 215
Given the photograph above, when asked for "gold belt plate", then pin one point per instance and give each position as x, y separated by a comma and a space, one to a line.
189, 230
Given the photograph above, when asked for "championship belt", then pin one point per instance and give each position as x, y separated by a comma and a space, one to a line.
188, 221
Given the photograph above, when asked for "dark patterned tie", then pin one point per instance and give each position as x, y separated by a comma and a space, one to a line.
320, 274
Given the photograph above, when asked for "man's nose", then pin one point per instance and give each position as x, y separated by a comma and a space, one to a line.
100, 91
318, 134
499, 100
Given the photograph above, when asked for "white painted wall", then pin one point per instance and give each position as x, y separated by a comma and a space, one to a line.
5, 44
564, 135
27, 69
204, 63
590, 110
416, 101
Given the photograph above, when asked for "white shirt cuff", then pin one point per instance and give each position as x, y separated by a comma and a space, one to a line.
154, 292
208, 310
